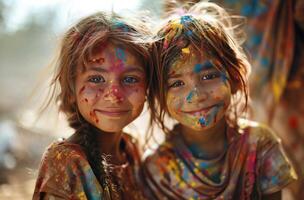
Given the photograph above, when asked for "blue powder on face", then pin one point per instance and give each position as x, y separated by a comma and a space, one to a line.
202, 121
199, 67
189, 97
120, 54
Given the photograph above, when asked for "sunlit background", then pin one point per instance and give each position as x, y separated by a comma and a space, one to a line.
29, 34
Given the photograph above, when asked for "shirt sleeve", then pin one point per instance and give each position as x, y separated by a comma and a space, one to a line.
275, 170
65, 174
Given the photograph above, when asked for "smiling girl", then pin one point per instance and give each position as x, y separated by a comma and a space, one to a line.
103, 72
211, 153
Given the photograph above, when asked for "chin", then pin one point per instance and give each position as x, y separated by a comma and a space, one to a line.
110, 128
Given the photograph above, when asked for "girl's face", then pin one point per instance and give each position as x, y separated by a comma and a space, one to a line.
198, 93
111, 90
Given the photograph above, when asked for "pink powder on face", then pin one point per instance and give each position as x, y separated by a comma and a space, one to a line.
114, 95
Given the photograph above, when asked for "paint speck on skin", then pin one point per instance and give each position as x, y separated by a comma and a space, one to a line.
202, 121
94, 116
189, 97
199, 67
114, 95
120, 54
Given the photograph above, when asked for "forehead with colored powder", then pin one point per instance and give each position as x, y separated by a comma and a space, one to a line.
190, 61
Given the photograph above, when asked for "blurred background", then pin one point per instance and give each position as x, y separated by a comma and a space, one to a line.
29, 34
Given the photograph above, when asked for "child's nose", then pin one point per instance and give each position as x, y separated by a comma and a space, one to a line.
114, 94
196, 95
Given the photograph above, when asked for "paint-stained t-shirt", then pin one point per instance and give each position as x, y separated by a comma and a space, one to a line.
253, 165
65, 173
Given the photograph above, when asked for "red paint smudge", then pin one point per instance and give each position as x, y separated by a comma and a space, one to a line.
94, 116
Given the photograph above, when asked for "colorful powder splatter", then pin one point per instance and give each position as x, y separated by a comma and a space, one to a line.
120, 54
189, 97
202, 121
199, 67
185, 19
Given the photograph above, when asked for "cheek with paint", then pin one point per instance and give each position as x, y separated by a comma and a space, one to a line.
174, 104
90, 95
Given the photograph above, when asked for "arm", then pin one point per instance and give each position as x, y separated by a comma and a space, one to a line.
274, 196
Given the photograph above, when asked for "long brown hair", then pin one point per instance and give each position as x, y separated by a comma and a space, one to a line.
208, 29
77, 44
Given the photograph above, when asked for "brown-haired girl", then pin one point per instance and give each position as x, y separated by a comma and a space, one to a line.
211, 153
103, 72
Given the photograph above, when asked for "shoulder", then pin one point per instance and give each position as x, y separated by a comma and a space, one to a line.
62, 151
160, 158
258, 133
273, 167
60, 166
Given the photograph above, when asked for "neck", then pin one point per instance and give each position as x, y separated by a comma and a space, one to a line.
209, 143
109, 143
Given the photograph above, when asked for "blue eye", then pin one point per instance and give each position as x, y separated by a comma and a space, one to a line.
130, 80
96, 79
176, 84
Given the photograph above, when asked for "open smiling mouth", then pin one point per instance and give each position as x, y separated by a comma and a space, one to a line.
112, 112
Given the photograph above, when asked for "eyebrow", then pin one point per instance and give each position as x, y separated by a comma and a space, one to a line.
203, 66
128, 69
173, 75
207, 65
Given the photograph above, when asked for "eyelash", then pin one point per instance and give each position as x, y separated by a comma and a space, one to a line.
100, 79
176, 84
205, 77
210, 76
96, 79
134, 80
